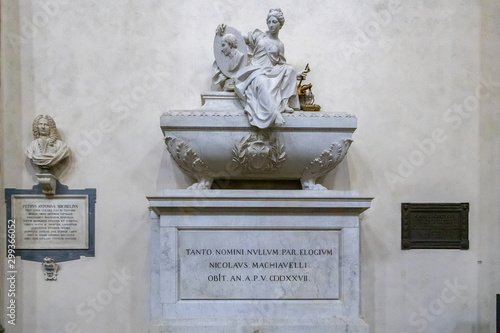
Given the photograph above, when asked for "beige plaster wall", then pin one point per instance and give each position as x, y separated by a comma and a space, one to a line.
410, 70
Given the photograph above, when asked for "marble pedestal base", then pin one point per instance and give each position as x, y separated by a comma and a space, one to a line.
334, 325
256, 261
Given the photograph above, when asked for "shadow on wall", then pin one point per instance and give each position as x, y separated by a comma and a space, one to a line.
19, 95
169, 174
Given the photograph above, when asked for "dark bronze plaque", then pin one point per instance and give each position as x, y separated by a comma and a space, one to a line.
435, 226
498, 313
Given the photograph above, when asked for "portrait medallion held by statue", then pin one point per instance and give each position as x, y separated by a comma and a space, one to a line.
230, 51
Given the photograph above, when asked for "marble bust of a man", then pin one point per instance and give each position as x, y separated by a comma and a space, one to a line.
46, 150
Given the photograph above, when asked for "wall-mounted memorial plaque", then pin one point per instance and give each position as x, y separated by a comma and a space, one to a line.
59, 226
435, 226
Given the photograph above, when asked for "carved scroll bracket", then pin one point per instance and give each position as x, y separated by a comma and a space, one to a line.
323, 164
48, 182
189, 162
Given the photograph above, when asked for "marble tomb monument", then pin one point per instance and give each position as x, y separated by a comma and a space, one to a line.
256, 260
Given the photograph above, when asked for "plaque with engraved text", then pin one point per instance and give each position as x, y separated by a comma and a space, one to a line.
259, 264
435, 226
60, 226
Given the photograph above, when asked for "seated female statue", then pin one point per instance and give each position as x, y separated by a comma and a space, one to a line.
268, 85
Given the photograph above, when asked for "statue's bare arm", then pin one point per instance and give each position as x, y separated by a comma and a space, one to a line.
222, 27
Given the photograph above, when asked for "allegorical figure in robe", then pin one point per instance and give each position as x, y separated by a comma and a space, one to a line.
268, 85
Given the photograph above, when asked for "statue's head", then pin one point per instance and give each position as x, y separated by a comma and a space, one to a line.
278, 14
44, 125
229, 42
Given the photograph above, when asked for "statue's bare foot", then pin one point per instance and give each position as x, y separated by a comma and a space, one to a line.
310, 184
279, 120
288, 110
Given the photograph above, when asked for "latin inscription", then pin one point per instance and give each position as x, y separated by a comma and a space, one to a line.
59, 222
261, 272
437, 226
434, 226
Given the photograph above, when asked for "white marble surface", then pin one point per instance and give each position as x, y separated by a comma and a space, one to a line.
258, 264
57, 222
272, 326
193, 225
209, 143
89, 65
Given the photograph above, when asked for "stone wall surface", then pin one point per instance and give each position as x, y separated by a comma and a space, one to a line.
422, 77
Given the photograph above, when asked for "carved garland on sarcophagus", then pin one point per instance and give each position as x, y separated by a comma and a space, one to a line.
187, 160
323, 164
258, 152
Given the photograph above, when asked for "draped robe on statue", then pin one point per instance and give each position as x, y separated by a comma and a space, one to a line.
268, 85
